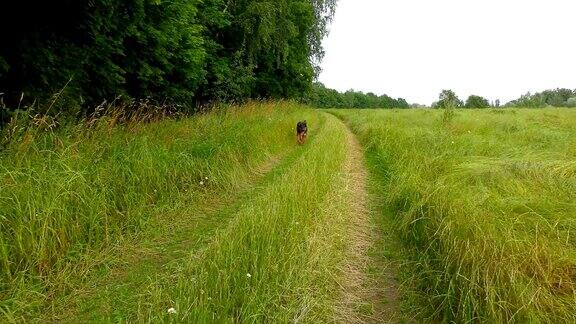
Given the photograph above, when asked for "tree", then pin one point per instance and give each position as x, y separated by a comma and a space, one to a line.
476, 102
448, 99
402, 103
322, 97
555, 98
571, 102
177, 51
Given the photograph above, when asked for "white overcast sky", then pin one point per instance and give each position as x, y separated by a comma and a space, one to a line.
413, 49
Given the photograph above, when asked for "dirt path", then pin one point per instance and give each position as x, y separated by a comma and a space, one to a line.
369, 285
369, 291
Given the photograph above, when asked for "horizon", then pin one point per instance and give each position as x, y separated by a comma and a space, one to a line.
495, 52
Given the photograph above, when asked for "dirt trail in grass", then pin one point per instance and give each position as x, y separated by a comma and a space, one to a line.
369, 285
116, 289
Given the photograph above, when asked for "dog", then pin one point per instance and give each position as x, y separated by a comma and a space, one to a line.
302, 132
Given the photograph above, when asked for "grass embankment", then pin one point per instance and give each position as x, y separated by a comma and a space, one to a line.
220, 216
485, 204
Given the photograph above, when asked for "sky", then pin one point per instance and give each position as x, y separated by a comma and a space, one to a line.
412, 49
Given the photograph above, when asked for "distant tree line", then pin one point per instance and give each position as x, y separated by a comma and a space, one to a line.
555, 98
549, 98
177, 51
449, 99
323, 97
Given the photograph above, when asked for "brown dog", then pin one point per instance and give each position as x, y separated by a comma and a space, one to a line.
302, 132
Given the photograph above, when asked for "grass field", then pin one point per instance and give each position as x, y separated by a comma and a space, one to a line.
485, 206
222, 217
219, 217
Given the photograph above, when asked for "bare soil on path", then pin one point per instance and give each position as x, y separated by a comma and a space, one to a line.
369, 285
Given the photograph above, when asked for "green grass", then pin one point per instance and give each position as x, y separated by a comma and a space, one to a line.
224, 218
121, 223
275, 260
79, 189
485, 206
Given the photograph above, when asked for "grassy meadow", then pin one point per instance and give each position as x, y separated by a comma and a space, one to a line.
466, 216
484, 205
218, 217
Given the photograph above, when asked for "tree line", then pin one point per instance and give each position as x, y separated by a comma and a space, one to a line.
548, 98
323, 97
554, 98
449, 99
171, 51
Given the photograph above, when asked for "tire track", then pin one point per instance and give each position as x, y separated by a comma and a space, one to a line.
368, 295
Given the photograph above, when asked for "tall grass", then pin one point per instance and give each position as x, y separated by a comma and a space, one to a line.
485, 206
277, 259
76, 188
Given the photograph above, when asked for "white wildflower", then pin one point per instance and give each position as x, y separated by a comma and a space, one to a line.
201, 183
206, 178
248, 275
171, 310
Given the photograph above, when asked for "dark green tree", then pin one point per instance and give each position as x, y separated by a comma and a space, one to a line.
448, 99
177, 51
474, 101
322, 97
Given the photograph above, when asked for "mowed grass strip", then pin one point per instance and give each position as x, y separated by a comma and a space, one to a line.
485, 205
66, 195
277, 260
